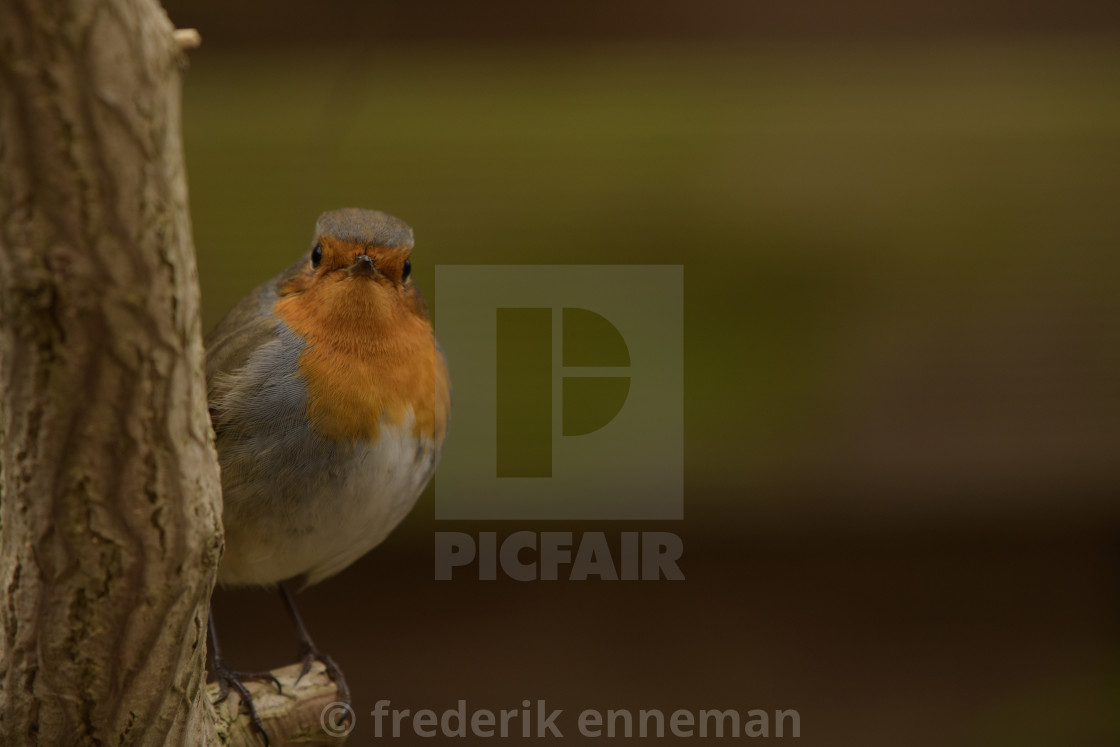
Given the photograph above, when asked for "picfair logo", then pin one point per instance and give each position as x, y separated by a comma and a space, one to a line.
568, 391
594, 384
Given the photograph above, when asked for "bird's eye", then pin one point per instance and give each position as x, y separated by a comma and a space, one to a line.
407, 270
316, 255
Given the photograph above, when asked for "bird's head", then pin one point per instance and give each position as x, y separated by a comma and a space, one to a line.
357, 275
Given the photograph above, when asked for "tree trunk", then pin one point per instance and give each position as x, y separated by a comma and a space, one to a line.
110, 506
110, 496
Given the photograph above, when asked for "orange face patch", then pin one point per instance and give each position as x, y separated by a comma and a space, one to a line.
371, 357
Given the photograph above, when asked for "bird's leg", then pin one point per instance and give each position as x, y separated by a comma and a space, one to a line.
308, 651
228, 678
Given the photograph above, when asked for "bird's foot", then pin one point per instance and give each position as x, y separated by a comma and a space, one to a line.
310, 655
228, 680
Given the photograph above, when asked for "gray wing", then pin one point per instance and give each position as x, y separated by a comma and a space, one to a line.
256, 398
257, 404
246, 327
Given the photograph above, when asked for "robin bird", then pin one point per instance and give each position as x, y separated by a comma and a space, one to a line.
330, 400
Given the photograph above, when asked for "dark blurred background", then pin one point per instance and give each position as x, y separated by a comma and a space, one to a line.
899, 225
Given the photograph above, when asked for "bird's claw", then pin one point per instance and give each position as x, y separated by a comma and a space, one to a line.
231, 680
310, 655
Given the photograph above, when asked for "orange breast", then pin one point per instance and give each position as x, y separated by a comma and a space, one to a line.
371, 358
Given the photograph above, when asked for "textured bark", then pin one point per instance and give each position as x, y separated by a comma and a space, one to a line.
109, 486
110, 505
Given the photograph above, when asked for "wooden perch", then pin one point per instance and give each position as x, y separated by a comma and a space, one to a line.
307, 714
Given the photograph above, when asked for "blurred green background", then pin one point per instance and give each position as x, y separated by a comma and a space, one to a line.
900, 231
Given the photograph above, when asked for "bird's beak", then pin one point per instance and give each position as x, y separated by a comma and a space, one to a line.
363, 265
